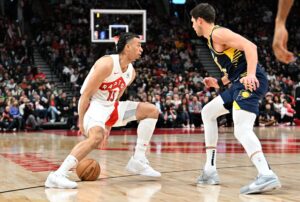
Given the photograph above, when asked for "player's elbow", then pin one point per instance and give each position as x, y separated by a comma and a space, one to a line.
84, 96
250, 47
253, 46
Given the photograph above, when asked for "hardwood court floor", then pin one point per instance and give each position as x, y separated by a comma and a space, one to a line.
27, 158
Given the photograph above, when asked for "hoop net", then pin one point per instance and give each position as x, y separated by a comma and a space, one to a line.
116, 39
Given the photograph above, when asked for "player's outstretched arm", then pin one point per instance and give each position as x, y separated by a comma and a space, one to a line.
281, 34
283, 10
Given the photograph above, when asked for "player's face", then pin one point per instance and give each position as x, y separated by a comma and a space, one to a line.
197, 27
135, 49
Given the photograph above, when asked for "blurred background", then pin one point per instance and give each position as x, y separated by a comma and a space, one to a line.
46, 51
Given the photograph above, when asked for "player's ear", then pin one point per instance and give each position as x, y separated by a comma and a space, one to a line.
127, 46
199, 21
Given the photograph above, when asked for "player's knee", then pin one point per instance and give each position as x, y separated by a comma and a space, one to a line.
206, 114
147, 110
243, 122
154, 112
97, 140
96, 136
240, 130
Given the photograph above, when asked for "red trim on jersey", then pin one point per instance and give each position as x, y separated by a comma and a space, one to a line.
114, 116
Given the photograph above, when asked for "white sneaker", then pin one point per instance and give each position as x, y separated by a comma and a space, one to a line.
59, 181
141, 167
211, 178
262, 183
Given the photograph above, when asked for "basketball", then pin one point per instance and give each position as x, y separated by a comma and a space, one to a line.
88, 170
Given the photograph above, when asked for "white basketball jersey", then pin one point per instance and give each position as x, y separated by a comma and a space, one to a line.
110, 88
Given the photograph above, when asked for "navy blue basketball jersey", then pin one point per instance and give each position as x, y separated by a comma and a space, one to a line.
231, 61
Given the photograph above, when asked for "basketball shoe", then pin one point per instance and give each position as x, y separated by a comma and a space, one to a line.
209, 178
141, 167
55, 180
262, 183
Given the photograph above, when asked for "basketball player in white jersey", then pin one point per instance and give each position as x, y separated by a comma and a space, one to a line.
99, 110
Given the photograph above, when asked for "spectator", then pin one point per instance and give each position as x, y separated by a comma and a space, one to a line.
287, 113
16, 115
170, 116
195, 112
52, 109
63, 105
8, 123
29, 116
267, 117
73, 114
183, 118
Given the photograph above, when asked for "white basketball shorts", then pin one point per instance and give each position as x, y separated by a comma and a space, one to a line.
102, 115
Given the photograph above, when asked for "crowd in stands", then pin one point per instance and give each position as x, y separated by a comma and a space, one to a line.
169, 74
27, 98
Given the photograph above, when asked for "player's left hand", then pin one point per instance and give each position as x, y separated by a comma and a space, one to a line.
250, 82
210, 82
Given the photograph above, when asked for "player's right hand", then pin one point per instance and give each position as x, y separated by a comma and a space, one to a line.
81, 130
210, 82
280, 44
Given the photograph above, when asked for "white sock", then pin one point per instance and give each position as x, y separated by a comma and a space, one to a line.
210, 165
261, 164
68, 163
210, 113
144, 133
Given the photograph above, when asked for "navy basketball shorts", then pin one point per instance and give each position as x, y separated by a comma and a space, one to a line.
238, 97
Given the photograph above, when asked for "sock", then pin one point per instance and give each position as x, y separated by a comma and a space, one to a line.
144, 133
210, 113
210, 165
68, 163
261, 164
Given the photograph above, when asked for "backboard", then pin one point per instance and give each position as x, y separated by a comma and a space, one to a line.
108, 23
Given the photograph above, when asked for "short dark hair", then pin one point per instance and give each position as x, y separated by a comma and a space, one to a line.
125, 37
205, 11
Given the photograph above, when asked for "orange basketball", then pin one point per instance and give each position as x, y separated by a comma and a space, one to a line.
88, 170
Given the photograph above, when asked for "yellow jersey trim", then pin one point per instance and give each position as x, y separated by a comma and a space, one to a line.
236, 105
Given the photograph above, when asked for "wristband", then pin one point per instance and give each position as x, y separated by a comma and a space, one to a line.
220, 83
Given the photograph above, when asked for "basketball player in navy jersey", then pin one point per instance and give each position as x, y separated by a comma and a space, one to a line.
237, 59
